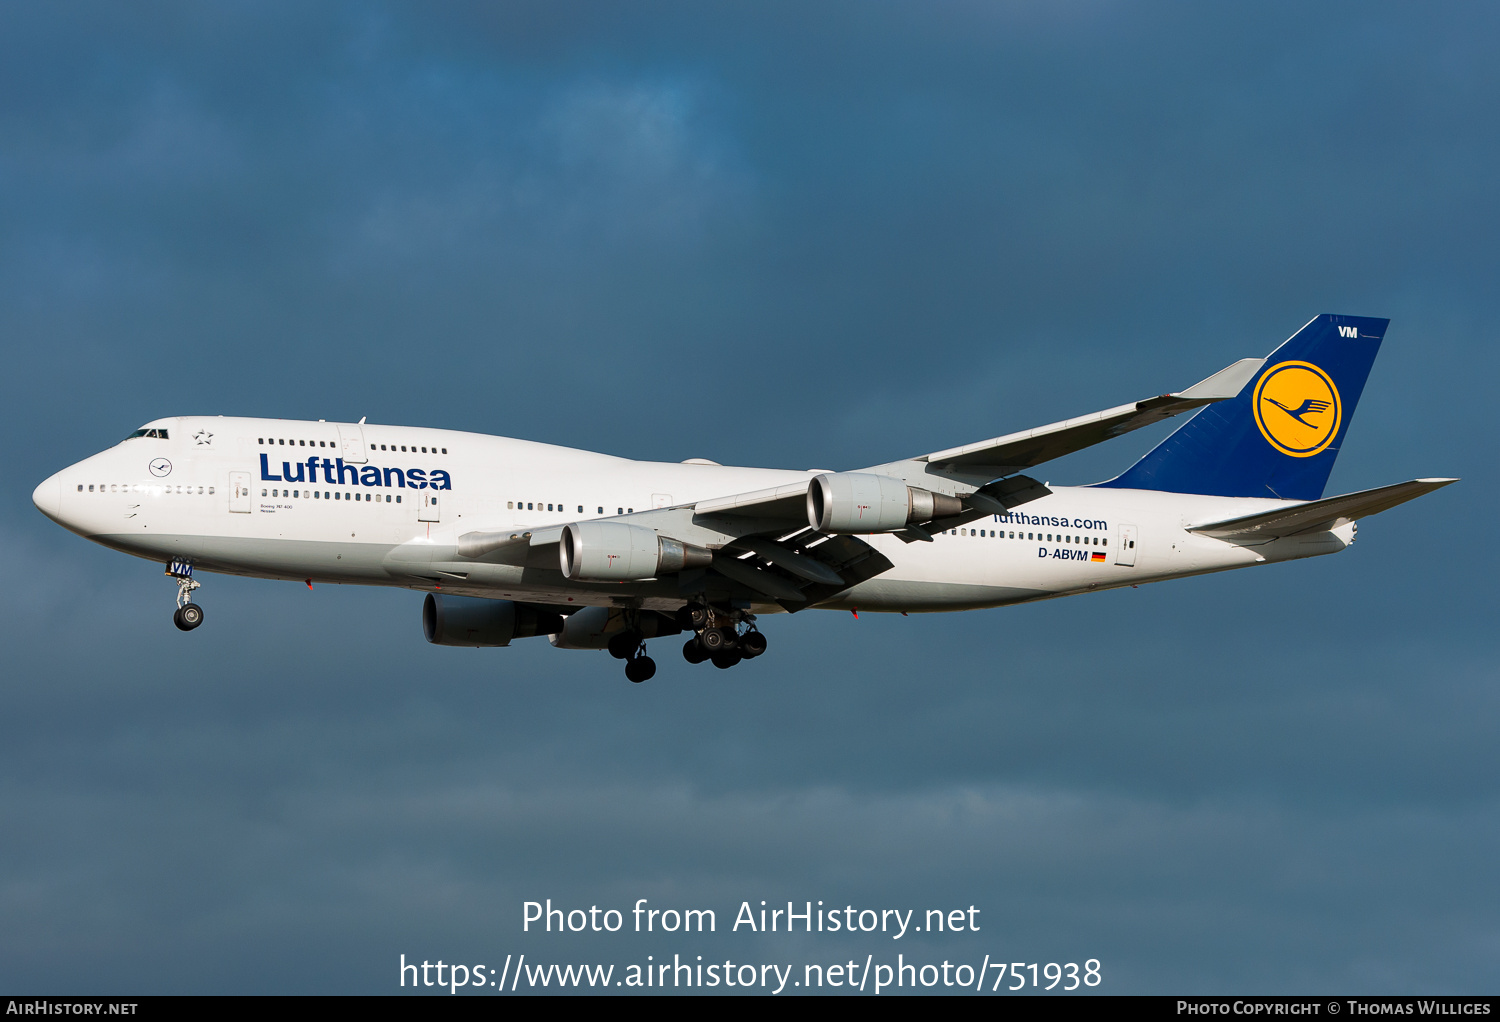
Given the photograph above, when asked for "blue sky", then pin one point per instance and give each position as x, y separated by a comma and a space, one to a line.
768, 235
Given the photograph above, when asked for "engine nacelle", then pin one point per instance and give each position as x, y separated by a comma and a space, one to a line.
856, 503
593, 627
470, 621
620, 552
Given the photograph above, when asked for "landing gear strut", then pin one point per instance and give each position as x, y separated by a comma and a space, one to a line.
188, 614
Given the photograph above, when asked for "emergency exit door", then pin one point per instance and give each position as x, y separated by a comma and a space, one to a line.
428, 508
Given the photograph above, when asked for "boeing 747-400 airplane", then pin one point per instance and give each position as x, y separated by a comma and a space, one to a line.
510, 538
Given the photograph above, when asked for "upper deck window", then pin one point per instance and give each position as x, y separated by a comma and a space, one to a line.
159, 434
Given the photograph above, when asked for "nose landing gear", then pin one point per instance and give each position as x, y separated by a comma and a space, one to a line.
188, 614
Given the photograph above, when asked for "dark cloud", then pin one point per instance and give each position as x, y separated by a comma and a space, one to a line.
773, 236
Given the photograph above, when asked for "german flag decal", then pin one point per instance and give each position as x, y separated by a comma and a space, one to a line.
1097, 556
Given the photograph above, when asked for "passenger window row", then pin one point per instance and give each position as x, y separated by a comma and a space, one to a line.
282, 441
1048, 537
142, 488
536, 505
329, 495
414, 449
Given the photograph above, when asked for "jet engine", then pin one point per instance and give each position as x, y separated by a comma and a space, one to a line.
856, 503
620, 552
469, 621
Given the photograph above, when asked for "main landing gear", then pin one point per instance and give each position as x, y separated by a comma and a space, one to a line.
627, 646
188, 614
718, 637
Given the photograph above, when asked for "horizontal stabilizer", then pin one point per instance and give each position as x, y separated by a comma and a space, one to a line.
1319, 515
1015, 451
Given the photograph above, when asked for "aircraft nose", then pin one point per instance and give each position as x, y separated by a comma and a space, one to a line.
48, 497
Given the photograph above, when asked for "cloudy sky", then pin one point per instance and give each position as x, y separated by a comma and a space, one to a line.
766, 234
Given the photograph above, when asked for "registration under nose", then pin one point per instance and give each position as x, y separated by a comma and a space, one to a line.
48, 497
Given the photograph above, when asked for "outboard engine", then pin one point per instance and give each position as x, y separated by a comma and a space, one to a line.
471, 621
858, 503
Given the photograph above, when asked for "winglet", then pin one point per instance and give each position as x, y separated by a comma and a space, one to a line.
1226, 383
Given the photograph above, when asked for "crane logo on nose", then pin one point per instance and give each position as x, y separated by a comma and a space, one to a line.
1297, 408
160, 467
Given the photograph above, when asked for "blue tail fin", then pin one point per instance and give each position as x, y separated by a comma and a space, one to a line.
1280, 435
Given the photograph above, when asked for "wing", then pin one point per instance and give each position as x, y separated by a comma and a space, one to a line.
760, 550
1317, 515
762, 547
761, 544
1004, 455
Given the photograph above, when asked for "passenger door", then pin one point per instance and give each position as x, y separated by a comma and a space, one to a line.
352, 440
1125, 552
239, 492
429, 510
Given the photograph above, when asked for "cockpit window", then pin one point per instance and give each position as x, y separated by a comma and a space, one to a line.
159, 434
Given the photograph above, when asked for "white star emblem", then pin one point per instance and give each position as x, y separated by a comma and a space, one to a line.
203, 437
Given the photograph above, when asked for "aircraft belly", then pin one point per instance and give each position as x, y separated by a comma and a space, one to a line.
883, 594
342, 561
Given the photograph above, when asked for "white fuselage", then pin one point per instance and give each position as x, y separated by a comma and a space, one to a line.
384, 505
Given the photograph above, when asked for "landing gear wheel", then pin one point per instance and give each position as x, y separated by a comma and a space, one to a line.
624, 645
188, 616
726, 658
752, 644
692, 618
693, 651
642, 668
716, 639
